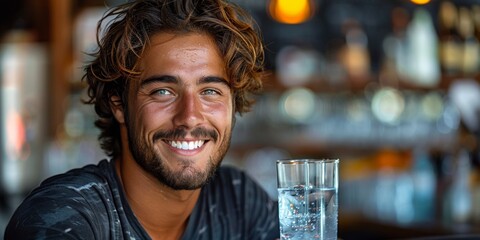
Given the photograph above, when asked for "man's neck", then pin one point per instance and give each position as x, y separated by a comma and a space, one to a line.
162, 211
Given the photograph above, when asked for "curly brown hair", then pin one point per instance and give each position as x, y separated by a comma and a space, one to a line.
126, 36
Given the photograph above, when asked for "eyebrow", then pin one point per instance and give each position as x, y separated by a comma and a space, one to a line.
214, 79
172, 79
155, 78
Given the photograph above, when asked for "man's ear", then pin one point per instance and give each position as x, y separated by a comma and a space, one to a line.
117, 109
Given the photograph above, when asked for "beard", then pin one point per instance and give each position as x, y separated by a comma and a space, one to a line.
188, 177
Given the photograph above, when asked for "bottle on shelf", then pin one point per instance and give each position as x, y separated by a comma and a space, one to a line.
354, 55
423, 67
423, 174
395, 62
450, 41
470, 47
476, 20
457, 203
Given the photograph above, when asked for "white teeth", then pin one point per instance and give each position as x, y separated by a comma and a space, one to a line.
186, 145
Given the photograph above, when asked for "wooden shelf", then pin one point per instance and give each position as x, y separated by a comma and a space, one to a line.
317, 84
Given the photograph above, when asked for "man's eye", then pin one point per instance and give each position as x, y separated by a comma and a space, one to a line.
162, 92
210, 92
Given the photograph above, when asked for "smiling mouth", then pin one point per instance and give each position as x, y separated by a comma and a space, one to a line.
186, 145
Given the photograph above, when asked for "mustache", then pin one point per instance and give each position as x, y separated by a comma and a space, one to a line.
177, 133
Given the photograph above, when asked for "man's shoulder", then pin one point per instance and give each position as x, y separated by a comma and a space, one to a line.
89, 174
76, 196
77, 185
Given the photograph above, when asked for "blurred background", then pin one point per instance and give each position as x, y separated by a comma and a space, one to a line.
390, 87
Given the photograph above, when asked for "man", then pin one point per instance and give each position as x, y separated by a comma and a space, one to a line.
166, 82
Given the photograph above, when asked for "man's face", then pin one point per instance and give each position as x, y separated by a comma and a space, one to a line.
179, 116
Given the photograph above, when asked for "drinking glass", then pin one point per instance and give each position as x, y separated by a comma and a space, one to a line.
307, 198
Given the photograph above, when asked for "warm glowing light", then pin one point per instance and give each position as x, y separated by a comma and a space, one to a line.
420, 2
291, 11
16, 133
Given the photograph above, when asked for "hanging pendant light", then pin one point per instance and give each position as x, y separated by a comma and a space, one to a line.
420, 2
291, 11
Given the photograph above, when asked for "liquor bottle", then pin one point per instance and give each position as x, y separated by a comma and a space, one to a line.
423, 67
354, 55
475, 11
457, 205
450, 42
395, 63
476, 20
470, 47
424, 178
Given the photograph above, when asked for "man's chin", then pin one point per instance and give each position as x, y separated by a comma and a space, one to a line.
188, 178
187, 184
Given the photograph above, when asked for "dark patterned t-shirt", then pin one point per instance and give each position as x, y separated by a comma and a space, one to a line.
89, 203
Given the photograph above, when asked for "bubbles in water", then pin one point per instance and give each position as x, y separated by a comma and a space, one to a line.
307, 213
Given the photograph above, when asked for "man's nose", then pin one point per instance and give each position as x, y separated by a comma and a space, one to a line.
189, 111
